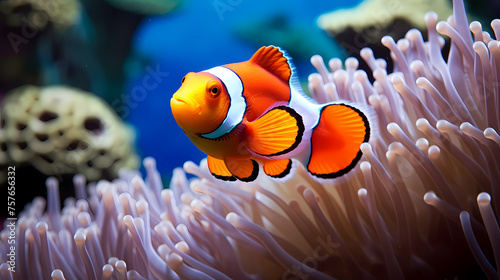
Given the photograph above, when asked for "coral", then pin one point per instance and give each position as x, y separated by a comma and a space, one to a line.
40, 14
417, 207
382, 14
62, 130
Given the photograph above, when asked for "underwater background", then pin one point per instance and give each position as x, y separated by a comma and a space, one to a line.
85, 88
133, 55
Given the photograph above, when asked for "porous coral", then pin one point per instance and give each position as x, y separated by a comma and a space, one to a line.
63, 130
408, 211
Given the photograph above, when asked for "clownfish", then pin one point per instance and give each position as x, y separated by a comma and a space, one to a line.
254, 114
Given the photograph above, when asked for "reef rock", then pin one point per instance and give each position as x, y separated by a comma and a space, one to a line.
63, 130
39, 15
365, 24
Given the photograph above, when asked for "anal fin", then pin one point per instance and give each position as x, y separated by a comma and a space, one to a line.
336, 140
277, 132
278, 168
245, 170
219, 170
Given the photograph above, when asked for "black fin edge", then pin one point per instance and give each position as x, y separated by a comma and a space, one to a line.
224, 178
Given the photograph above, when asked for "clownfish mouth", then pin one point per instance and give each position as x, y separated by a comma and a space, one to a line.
181, 101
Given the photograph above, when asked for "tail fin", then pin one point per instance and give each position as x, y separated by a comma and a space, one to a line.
336, 139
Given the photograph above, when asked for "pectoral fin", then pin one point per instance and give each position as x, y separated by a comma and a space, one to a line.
277, 132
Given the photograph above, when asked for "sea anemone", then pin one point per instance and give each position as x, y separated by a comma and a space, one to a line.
418, 206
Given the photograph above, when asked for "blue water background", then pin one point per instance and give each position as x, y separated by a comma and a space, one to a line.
202, 34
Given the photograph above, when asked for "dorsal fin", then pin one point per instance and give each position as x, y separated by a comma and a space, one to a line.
274, 60
277, 61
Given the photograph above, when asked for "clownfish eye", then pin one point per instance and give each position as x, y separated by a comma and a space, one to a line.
214, 90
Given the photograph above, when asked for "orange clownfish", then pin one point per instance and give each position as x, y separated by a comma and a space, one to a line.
254, 113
